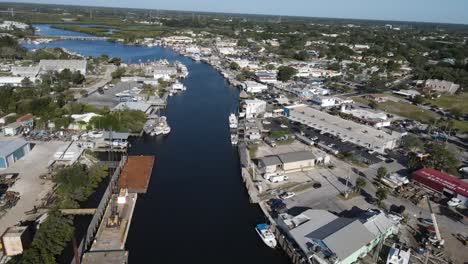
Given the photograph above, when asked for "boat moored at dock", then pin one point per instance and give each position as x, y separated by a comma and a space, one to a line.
266, 235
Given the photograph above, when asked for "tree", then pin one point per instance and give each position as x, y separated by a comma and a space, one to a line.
418, 99
360, 184
412, 143
381, 194
456, 112
77, 77
381, 172
285, 73
373, 104
302, 55
234, 66
440, 158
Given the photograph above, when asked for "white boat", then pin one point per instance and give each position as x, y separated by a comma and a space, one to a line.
398, 255
177, 86
166, 130
232, 121
234, 139
266, 235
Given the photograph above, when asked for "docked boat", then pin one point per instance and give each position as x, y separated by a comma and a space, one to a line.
166, 130
234, 139
398, 255
177, 86
232, 121
266, 235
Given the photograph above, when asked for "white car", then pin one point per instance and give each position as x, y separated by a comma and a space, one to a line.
287, 195
454, 202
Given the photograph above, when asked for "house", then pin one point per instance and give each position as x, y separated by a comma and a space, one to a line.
441, 86
266, 77
254, 87
26, 120
254, 107
12, 129
12, 150
287, 163
81, 121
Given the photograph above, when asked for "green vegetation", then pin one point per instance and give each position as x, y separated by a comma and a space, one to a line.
412, 143
360, 184
381, 172
450, 102
440, 158
10, 49
279, 133
285, 73
77, 183
381, 194
121, 121
49, 241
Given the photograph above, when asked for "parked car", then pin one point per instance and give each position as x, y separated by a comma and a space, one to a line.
454, 202
426, 221
287, 195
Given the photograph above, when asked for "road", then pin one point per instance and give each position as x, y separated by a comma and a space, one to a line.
103, 80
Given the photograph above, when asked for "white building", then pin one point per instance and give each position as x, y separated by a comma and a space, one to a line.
373, 118
12, 25
13, 81
254, 107
330, 101
254, 87
60, 65
163, 72
346, 130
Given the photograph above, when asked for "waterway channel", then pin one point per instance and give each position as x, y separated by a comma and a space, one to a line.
196, 209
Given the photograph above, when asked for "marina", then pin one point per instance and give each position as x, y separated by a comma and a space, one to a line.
193, 178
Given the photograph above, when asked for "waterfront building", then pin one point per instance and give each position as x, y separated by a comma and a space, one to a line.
290, 162
326, 238
254, 107
254, 87
12, 151
346, 130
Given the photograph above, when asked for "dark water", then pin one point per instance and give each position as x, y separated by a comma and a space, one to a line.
196, 209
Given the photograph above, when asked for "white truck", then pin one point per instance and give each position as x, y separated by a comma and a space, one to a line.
278, 178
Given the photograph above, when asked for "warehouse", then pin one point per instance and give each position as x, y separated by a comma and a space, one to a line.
12, 150
442, 183
287, 162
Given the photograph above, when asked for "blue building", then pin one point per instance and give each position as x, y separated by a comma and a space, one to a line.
12, 150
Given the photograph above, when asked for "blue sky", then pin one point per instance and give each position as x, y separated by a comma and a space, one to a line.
446, 11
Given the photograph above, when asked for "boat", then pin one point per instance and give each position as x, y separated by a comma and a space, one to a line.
177, 86
149, 126
166, 130
266, 235
234, 139
398, 255
232, 121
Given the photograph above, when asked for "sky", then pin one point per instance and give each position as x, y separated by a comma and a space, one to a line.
440, 11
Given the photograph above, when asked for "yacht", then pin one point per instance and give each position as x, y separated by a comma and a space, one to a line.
266, 235
166, 130
232, 121
398, 255
234, 139
177, 86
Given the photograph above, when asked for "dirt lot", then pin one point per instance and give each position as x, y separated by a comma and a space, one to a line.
31, 188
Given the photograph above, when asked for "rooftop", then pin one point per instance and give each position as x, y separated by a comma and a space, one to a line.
9, 146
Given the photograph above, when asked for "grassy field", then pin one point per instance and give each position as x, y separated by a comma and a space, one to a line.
459, 101
415, 112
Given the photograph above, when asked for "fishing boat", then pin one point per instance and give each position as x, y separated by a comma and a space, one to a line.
266, 235
232, 121
234, 139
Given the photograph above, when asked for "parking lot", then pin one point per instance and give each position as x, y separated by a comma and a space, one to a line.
108, 98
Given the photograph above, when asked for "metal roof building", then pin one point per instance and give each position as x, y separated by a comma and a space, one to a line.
12, 150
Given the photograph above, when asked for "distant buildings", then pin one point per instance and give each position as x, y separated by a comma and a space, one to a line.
326, 238
45, 66
12, 25
440, 86
12, 150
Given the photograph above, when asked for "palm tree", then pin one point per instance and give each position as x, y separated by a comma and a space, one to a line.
381, 194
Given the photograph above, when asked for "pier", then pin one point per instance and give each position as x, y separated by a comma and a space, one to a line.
107, 233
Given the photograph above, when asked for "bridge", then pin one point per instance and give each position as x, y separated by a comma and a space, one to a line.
82, 38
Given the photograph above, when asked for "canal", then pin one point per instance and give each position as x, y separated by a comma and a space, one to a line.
196, 209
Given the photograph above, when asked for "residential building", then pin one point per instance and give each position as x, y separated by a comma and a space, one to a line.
253, 108
441, 86
12, 129
442, 183
12, 150
346, 130
254, 87
266, 77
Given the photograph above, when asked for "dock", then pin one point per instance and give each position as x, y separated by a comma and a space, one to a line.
107, 244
